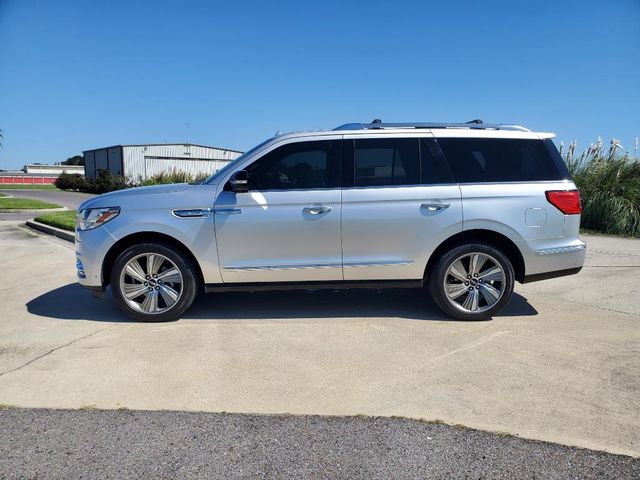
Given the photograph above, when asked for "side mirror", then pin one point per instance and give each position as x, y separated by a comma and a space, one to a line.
239, 182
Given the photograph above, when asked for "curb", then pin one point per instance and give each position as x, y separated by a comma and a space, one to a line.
57, 232
35, 211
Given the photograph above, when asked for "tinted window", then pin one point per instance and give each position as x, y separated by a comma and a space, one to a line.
434, 165
299, 165
393, 161
500, 160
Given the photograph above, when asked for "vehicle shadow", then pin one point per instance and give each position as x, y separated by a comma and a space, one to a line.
72, 302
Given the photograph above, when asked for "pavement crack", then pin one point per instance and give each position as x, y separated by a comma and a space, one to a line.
475, 344
54, 350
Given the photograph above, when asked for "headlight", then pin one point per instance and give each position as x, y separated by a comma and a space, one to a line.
94, 217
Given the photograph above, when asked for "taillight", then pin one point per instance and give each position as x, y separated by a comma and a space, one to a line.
567, 201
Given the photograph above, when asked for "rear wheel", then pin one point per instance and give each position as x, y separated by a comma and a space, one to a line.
151, 282
472, 282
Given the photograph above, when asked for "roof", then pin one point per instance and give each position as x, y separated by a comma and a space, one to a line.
472, 129
163, 145
473, 124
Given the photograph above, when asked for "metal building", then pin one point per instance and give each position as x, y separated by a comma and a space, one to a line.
139, 162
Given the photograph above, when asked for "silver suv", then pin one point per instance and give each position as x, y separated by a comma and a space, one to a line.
465, 209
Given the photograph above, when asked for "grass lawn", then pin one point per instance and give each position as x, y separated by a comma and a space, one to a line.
17, 186
63, 220
24, 203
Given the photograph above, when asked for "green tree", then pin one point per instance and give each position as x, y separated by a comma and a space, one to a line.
75, 160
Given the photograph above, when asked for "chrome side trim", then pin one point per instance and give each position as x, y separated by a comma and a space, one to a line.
192, 212
318, 265
282, 267
557, 250
390, 263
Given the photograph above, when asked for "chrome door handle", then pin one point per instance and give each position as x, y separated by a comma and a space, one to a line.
434, 207
228, 211
316, 210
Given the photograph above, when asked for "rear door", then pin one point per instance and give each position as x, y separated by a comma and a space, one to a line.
399, 203
287, 227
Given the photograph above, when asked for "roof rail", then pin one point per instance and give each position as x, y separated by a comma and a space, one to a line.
473, 124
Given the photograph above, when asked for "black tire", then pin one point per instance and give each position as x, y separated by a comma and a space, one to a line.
439, 271
188, 291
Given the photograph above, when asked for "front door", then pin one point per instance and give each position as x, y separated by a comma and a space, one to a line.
287, 227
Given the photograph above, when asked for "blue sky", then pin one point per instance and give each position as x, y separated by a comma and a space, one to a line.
83, 74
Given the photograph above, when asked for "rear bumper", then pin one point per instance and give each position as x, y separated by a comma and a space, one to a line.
536, 277
547, 258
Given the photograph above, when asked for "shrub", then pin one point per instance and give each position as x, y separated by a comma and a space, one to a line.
103, 183
169, 176
71, 181
106, 182
609, 185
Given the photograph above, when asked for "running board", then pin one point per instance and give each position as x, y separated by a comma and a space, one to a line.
331, 285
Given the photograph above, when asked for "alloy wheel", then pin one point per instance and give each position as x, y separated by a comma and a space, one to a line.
474, 282
151, 283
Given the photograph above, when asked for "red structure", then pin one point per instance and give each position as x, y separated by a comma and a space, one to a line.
27, 179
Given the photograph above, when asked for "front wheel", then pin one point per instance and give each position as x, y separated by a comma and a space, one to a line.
472, 282
151, 282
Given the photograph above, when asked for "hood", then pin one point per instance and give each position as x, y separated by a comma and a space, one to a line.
114, 199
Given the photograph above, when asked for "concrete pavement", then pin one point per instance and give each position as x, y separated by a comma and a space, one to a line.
557, 365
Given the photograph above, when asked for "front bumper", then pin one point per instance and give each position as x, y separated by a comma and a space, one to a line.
91, 249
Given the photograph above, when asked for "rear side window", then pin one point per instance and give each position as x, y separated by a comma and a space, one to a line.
387, 161
433, 164
502, 160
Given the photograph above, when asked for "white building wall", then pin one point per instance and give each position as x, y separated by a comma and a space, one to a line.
144, 161
54, 169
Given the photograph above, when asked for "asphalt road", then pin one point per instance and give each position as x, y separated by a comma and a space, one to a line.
137, 444
71, 200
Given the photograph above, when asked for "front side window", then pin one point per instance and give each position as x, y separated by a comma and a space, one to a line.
387, 161
301, 165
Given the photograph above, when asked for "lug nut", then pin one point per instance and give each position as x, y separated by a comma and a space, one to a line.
466, 283
147, 277
145, 284
159, 281
471, 289
151, 289
158, 288
478, 287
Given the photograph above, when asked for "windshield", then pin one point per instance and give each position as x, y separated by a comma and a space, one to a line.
235, 162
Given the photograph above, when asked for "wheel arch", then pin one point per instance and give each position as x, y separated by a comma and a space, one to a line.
491, 237
141, 237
